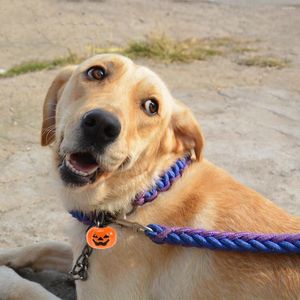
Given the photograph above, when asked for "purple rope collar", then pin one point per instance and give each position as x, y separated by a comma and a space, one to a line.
164, 182
201, 238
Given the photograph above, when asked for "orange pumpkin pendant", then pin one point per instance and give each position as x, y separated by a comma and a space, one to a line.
101, 237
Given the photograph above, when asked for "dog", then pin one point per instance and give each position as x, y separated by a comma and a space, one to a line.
114, 128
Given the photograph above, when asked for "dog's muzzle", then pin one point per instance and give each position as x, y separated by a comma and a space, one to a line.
98, 129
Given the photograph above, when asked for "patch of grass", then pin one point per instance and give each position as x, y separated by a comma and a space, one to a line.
165, 49
39, 65
159, 48
162, 48
264, 62
170, 50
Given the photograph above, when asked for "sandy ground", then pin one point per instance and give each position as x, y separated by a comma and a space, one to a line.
250, 116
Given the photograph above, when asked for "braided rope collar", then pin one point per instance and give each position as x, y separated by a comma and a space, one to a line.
162, 184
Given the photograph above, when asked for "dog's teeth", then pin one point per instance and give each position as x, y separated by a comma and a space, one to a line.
70, 166
92, 171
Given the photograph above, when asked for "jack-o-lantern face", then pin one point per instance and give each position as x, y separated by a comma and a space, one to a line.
101, 238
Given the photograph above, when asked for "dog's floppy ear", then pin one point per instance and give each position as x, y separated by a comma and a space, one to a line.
49, 109
187, 131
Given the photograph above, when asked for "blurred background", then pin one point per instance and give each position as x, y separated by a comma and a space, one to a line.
236, 63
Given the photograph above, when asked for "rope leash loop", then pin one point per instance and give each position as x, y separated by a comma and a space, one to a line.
229, 241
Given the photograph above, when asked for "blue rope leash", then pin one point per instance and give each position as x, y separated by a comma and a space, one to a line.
213, 240
231, 241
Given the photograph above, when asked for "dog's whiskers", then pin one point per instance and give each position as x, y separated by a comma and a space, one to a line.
50, 131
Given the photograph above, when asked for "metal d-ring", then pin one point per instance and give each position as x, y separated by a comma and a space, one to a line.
99, 219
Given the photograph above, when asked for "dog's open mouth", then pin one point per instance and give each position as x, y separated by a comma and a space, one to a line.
83, 164
79, 169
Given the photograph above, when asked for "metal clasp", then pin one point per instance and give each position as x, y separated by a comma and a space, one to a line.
133, 225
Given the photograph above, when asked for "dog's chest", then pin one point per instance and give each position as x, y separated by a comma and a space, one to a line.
138, 269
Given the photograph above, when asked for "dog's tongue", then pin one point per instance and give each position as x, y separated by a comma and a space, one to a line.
84, 162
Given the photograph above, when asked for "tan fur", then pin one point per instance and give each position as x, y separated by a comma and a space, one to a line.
205, 197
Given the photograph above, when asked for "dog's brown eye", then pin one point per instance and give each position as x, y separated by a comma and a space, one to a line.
96, 73
150, 107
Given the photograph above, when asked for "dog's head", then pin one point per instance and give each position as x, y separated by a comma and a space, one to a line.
108, 115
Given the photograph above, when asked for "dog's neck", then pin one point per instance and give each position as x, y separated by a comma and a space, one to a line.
116, 194
162, 184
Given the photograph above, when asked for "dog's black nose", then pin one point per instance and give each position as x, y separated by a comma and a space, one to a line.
100, 127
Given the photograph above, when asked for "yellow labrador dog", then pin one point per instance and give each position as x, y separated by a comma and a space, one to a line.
115, 128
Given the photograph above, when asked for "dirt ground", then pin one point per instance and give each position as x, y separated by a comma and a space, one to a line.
250, 115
